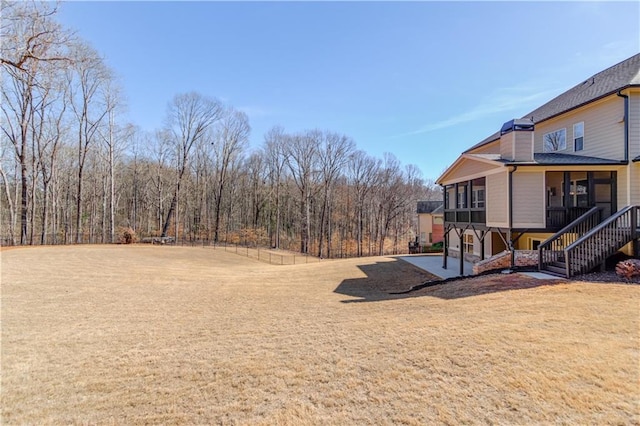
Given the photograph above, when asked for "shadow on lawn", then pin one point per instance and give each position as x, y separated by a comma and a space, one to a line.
401, 280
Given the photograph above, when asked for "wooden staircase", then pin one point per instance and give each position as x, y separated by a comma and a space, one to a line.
585, 243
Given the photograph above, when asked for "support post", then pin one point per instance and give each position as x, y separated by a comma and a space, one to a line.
445, 250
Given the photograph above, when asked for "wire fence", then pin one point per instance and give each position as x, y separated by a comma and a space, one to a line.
280, 256
264, 254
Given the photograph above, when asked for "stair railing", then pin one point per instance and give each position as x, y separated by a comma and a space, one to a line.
552, 250
595, 246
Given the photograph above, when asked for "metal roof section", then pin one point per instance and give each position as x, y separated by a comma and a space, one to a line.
522, 124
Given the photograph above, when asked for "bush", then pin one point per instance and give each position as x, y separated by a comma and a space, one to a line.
628, 268
127, 236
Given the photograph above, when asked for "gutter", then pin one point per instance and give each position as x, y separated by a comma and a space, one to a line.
612, 163
626, 124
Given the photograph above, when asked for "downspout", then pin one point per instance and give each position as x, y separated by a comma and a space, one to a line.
626, 125
511, 249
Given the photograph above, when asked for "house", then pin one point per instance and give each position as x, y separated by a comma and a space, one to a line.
562, 182
430, 223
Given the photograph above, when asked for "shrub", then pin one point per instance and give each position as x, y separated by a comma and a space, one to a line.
127, 236
628, 268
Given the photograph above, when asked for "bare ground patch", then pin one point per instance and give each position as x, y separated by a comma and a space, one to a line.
117, 334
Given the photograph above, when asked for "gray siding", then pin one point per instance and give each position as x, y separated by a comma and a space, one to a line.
528, 199
497, 199
634, 146
468, 168
523, 146
603, 129
506, 146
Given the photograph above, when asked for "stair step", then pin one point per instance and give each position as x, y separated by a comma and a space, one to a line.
555, 270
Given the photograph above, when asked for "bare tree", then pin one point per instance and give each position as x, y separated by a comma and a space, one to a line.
189, 117
31, 40
86, 79
364, 173
392, 196
113, 139
333, 156
231, 138
275, 153
302, 157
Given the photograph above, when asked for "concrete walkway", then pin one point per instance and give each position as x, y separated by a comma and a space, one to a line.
432, 263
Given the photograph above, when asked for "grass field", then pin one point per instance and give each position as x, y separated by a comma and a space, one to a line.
171, 335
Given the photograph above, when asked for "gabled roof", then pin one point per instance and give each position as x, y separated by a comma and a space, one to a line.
604, 83
492, 160
539, 159
429, 206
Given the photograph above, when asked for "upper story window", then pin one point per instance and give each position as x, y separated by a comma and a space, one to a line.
478, 193
578, 136
462, 196
555, 141
450, 197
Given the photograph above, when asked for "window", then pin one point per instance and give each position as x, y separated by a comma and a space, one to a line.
477, 193
578, 193
555, 141
578, 136
462, 196
477, 198
467, 243
423, 237
450, 198
534, 243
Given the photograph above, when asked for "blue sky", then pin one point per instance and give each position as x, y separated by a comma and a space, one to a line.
422, 80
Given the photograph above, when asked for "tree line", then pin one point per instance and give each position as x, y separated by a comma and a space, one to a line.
73, 171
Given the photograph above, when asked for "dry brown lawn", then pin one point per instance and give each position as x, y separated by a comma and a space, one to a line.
170, 335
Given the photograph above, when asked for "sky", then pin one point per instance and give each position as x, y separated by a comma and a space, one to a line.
421, 80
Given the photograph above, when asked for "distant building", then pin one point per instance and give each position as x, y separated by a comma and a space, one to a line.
430, 222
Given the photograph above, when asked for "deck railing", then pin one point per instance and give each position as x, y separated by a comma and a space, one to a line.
558, 217
551, 251
594, 247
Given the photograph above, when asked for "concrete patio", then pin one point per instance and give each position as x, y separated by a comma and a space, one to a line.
432, 263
